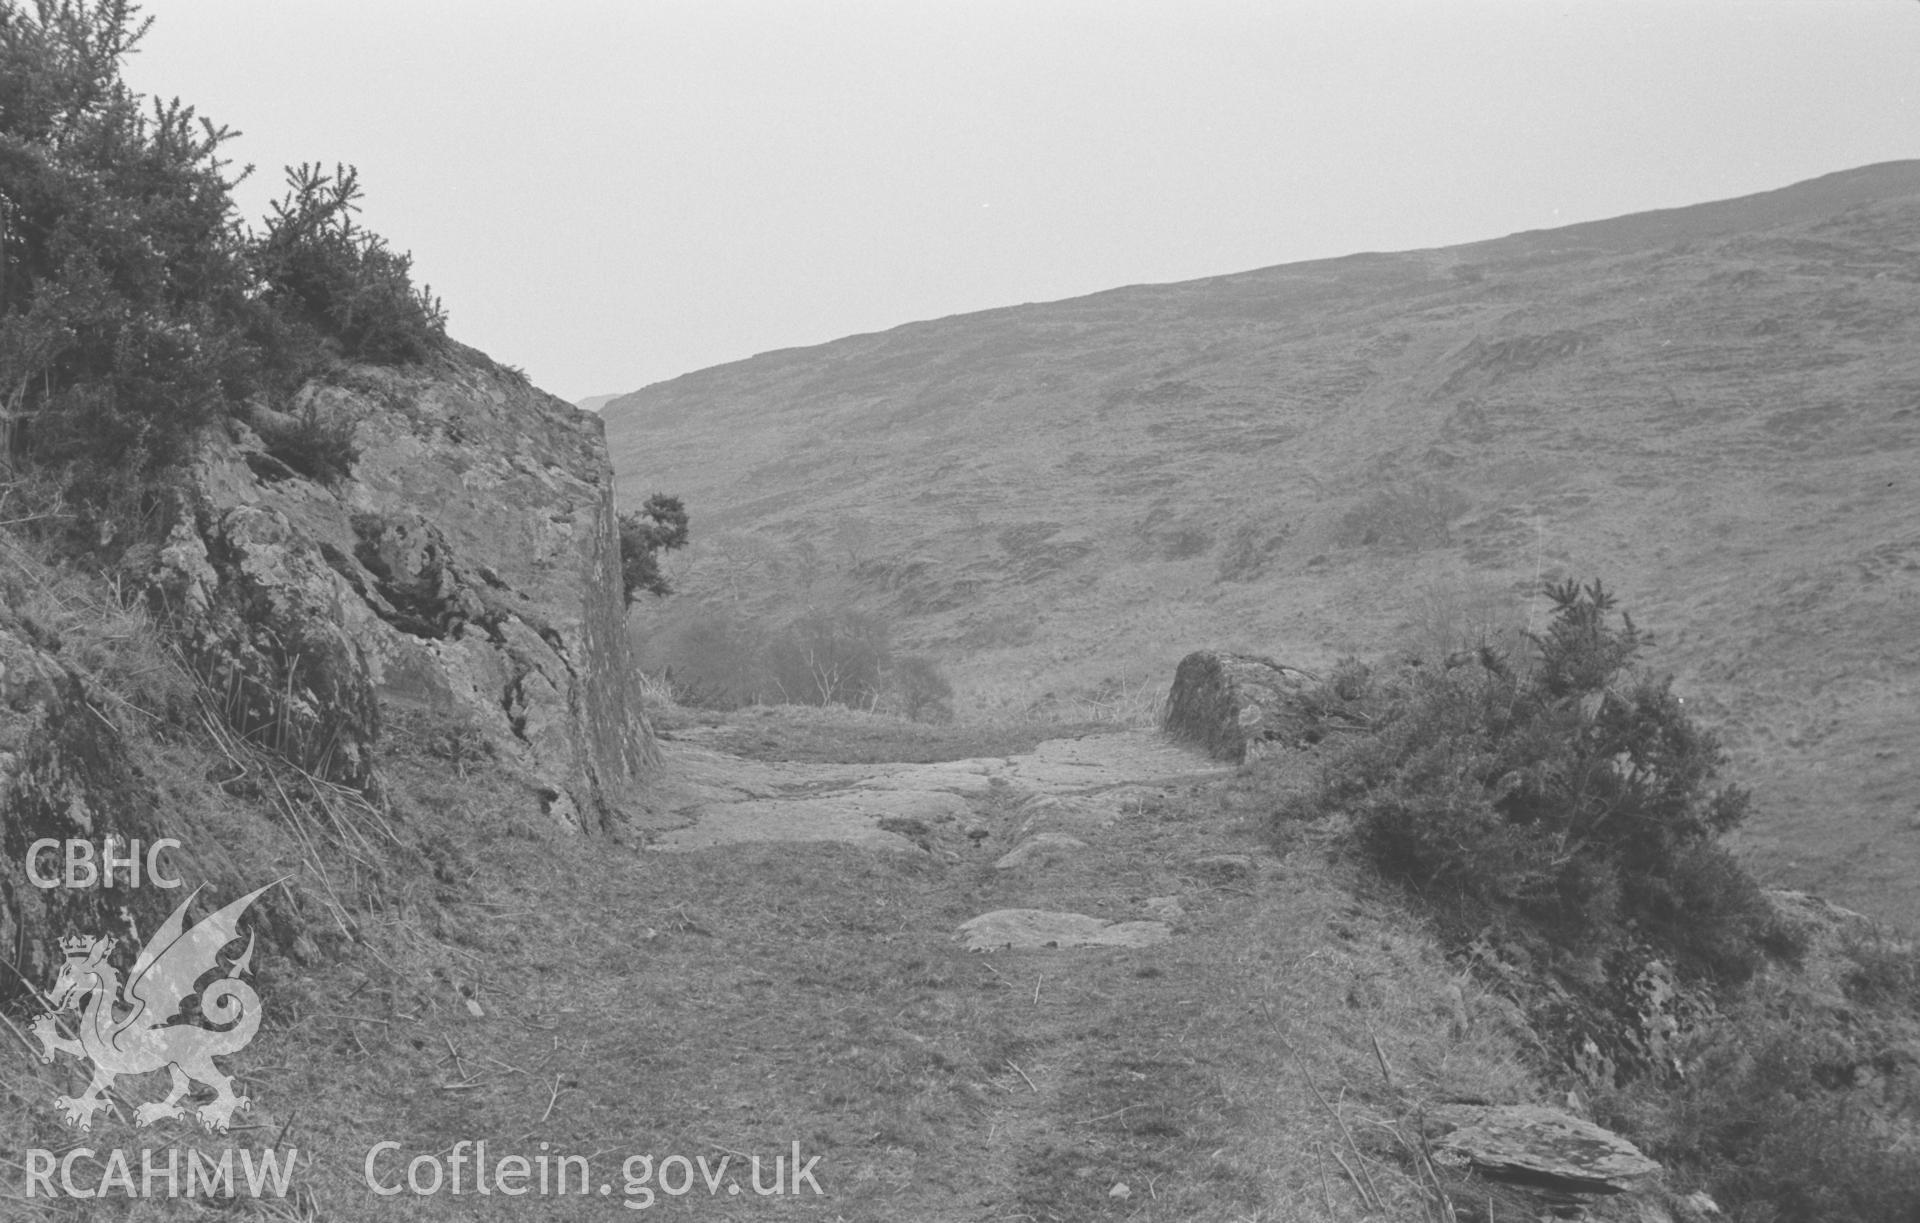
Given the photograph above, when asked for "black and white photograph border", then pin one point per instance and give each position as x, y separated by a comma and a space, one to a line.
960, 610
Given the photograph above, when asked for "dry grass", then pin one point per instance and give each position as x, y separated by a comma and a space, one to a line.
1722, 432
524, 987
834, 735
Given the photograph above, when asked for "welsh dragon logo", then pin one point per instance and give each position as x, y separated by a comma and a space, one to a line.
127, 1032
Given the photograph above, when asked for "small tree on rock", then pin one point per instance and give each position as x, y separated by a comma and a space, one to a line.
659, 526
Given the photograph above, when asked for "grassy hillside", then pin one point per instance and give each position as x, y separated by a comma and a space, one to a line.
1716, 409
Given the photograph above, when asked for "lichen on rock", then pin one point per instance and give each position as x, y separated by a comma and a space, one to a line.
1229, 703
466, 564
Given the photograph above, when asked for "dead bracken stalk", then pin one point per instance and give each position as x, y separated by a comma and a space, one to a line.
1369, 1194
1381, 1056
1366, 1199
1023, 1074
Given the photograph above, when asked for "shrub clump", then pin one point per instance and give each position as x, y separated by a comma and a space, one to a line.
659, 526
924, 692
1575, 792
323, 270
318, 445
1787, 1114
830, 657
135, 305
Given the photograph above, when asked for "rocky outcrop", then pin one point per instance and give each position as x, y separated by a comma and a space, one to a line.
64, 775
1228, 703
466, 564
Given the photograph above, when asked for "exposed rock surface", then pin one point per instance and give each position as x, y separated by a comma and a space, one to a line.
1064, 786
1226, 703
851, 818
1540, 1145
468, 565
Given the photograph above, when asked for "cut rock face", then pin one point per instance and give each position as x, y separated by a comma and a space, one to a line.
467, 565
1037, 928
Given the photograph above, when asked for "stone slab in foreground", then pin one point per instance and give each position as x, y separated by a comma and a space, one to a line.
1544, 1145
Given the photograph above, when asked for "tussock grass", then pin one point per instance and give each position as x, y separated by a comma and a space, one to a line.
510, 984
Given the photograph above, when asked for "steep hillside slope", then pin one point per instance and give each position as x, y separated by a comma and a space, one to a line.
456, 586
1715, 408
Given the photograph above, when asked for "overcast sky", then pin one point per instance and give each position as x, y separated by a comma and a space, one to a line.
612, 193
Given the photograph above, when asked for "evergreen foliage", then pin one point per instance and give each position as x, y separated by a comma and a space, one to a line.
344, 282
659, 526
134, 304
1575, 792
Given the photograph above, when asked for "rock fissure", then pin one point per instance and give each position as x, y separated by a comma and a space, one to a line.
474, 579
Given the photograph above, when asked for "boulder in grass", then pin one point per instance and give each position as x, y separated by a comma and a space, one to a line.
1229, 703
1541, 1146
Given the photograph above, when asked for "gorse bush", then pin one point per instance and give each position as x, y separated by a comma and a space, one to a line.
1573, 791
122, 282
1560, 813
134, 305
317, 444
320, 268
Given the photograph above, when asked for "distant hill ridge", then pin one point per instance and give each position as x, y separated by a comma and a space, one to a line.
1715, 408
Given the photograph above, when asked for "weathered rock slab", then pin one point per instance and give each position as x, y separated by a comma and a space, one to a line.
849, 817
1039, 928
1066, 786
1541, 1145
955, 776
